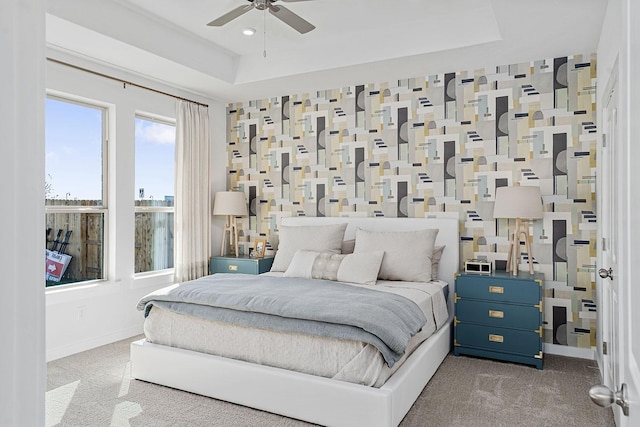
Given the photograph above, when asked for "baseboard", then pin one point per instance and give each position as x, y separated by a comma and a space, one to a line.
563, 350
68, 350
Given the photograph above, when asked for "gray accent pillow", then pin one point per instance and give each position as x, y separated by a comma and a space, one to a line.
323, 238
435, 261
350, 268
348, 245
407, 254
325, 266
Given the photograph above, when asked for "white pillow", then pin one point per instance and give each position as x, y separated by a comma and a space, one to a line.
301, 264
324, 238
352, 268
407, 254
361, 268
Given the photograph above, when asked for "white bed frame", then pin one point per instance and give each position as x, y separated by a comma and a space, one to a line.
306, 397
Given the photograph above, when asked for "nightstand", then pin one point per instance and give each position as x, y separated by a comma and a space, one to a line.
499, 316
246, 265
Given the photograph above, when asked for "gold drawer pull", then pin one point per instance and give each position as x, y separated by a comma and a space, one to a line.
233, 268
496, 338
496, 290
496, 314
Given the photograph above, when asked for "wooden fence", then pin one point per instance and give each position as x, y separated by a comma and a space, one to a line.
86, 245
153, 239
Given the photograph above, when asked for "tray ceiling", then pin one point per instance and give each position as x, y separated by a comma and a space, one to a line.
355, 41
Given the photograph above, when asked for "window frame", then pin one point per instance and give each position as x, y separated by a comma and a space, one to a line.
104, 207
154, 209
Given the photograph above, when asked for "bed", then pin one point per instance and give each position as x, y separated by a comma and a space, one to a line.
305, 396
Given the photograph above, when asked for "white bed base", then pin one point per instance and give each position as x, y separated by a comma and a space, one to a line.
307, 397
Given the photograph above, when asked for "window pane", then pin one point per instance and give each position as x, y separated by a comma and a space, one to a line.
154, 240
76, 240
74, 181
155, 163
74, 141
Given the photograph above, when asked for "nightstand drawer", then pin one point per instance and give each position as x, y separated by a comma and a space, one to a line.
505, 340
498, 289
240, 265
498, 314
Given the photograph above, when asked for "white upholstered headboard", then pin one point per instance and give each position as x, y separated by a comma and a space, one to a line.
448, 235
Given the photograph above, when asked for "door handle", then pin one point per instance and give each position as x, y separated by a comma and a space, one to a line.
603, 396
604, 273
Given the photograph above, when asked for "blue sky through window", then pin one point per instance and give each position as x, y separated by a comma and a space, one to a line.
73, 151
73, 135
155, 159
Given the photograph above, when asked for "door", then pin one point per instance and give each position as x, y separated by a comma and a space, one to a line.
630, 291
607, 279
618, 208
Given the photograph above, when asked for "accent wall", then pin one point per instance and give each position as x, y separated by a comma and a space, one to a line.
439, 146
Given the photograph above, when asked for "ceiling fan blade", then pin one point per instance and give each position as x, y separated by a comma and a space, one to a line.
230, 16
291, 19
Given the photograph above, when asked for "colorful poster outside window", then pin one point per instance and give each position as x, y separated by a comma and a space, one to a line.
56, 264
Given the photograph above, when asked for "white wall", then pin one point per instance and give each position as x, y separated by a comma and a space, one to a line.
109, 306
609, 45
22, 367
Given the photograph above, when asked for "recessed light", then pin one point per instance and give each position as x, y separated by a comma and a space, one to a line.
248, 31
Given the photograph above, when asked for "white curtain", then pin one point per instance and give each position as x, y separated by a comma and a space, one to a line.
193, 197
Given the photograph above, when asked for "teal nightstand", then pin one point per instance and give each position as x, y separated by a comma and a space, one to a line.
499, 316
246, 265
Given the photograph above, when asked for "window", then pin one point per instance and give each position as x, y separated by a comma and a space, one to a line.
154, 211
75, 191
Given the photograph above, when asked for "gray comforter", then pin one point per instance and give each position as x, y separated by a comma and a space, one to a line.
316, 307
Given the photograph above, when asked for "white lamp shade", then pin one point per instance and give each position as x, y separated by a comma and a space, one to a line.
518, 202
230, 203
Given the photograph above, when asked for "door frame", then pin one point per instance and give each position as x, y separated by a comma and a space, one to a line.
627, 207
630, 257
606, 246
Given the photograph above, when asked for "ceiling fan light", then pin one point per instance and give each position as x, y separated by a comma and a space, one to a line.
248, 31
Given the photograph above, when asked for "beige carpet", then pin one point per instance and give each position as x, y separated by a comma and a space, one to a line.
94, 388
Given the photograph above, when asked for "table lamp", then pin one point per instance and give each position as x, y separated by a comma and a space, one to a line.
522, 203
232, 204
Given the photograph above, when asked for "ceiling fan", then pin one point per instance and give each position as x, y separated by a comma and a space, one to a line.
280, 12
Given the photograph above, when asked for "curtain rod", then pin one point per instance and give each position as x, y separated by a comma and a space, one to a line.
125, 82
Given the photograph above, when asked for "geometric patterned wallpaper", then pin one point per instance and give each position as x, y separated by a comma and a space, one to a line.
439, 146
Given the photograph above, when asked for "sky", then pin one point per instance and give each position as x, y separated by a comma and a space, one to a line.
74, 154
155, 159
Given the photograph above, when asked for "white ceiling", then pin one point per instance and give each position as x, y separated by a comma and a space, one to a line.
355, 41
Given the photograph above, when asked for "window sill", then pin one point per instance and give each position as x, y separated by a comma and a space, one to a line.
153, 278
72, 292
